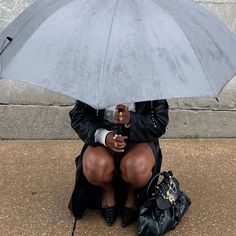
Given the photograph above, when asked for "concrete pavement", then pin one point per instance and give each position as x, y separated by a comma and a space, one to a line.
37, 178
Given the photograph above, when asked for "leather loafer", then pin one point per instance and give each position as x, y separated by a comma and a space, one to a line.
129, 215
109, 214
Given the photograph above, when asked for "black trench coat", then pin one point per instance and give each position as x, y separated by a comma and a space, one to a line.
148, 123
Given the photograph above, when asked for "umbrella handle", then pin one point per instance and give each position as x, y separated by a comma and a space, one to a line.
7, 44
4, 45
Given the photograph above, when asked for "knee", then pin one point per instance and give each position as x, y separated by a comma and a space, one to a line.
135, 171
97, 169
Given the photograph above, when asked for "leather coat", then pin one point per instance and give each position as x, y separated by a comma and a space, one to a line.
148, 123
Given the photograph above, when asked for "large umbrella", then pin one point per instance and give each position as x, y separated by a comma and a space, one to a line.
106, 52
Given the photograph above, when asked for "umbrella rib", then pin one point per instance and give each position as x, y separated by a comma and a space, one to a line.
107, 46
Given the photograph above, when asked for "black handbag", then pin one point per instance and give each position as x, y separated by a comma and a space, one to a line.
164, 208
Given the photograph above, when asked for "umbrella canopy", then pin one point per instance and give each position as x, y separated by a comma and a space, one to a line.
108, 52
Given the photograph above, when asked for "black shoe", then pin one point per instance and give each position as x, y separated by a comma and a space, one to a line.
109, 214
129, 215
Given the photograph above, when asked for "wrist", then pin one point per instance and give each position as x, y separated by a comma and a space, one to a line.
107, 137
100, 135
127, 125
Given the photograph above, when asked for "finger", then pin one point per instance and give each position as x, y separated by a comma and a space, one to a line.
120, 139
120, 142
121, 107
117, 150
123, 146
121, 113
120, 145
118, 118
120, 122
122, 119
115, 136
115, 144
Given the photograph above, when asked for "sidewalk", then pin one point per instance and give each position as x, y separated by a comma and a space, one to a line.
37, 178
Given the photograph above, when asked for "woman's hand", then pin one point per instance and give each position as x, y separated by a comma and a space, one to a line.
122, 116
116, 142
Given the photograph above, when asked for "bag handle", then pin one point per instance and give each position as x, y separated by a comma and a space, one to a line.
163, 173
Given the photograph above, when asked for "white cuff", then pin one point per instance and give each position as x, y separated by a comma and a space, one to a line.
100, 135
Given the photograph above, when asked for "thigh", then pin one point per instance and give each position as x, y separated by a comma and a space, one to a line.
138, 157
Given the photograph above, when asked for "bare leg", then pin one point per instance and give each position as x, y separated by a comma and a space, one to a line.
98, 166
136, 169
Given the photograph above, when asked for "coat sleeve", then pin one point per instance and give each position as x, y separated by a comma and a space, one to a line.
150, 126
84, 121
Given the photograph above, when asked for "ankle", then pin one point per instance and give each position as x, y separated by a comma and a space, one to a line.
131, 199
108, 197
108, 188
